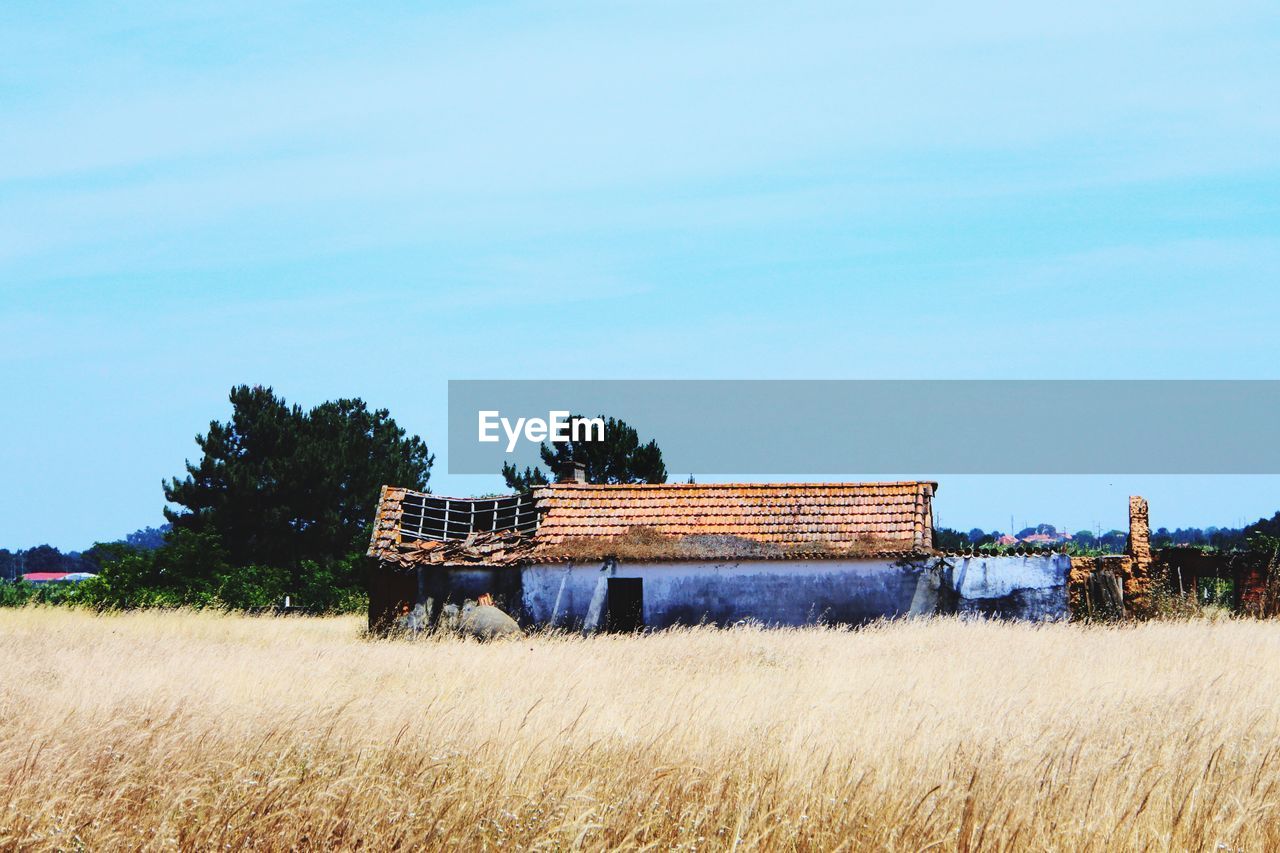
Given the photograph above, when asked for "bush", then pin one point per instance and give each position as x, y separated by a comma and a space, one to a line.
193, 570
336, 588
252, 587
15, 593
19, 593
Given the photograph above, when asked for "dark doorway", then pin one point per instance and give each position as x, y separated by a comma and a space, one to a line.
626, 604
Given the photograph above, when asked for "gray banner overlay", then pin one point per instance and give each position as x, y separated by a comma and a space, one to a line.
887, 427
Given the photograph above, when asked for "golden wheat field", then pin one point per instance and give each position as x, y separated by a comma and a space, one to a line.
198, 730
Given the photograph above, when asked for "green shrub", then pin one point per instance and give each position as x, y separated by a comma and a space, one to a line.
193, 570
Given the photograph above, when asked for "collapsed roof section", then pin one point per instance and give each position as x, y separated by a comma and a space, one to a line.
576, 521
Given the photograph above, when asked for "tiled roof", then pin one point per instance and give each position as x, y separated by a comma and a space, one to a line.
704, 521
793, 518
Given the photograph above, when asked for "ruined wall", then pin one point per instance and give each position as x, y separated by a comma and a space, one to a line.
1099, 587
1257, 589
1255, 585
1172, 575
413, 597
1012, 587
1117, 586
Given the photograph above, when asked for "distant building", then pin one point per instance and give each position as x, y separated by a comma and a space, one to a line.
57, 577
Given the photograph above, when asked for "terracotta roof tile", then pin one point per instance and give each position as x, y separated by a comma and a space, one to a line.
792, 516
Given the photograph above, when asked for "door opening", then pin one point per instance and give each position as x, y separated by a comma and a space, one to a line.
625, 604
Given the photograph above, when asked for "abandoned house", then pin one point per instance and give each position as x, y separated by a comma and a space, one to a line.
628, 557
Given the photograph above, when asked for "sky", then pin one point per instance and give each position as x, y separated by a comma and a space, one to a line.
372, 199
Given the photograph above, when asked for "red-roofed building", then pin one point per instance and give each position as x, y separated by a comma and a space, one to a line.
57, 577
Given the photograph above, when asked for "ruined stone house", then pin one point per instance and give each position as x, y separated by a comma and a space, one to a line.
628, 557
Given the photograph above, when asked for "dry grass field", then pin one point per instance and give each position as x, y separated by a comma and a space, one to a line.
196, 730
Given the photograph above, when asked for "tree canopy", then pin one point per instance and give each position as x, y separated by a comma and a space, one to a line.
619, 459
278, 485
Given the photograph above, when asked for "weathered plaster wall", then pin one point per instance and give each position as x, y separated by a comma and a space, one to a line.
806, 591
1016, 587
776, 592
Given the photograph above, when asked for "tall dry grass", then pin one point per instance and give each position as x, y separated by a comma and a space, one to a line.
195, 730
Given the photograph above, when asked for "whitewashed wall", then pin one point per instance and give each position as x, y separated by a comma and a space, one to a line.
800, 592
781, 592
1030, 587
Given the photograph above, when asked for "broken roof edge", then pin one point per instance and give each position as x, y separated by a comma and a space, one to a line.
493, 549
408, 559
648, 543
386, 521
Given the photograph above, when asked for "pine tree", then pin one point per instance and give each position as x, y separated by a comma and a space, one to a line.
619, 459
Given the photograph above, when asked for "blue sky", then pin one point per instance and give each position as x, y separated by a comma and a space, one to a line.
371, 199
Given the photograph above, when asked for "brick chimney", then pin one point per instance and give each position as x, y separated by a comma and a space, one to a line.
572, 472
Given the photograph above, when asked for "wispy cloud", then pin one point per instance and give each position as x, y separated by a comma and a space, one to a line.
198, 194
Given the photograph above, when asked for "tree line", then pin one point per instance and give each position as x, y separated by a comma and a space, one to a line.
1112, 541
47, 558
280, 504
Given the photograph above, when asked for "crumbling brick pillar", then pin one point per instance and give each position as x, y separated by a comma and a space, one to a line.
1139, 580
1078, 586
